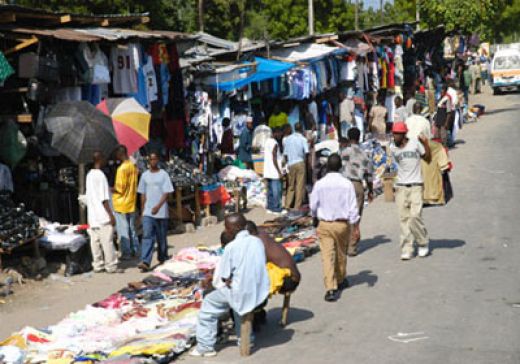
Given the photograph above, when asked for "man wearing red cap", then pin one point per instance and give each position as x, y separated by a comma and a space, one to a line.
409, 190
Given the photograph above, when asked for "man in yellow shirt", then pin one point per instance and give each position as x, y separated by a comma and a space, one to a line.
278, 118
124, 199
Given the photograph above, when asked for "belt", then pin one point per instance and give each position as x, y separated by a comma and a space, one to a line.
339, 220
409, 185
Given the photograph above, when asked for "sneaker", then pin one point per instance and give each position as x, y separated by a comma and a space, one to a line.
117, 270
99, 270
423, 251
197, 352
406, 256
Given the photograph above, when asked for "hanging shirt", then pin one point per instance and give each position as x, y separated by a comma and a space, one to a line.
125, 63
154, 185
97, 192
260, 136
125, 186
243, 263
6, 179
278, 120
313, 109
151, 80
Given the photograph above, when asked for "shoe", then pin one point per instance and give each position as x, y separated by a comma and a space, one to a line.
406, 256
423, 251
331, 296
196, 352
143, 267
126, 258
352, 254
117, 270
344, 285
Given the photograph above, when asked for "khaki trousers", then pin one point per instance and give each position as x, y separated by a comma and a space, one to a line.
295, 186
409, 202
333, 237
360, 197
104, 253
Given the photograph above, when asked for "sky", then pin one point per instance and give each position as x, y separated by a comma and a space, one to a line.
374, 3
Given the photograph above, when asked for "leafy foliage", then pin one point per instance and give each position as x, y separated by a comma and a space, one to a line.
283, 19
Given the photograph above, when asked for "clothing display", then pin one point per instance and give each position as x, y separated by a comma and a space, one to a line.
125, 63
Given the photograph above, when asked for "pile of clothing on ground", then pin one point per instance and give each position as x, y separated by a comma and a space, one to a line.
184, 174
149, 321
235, 177
382, 162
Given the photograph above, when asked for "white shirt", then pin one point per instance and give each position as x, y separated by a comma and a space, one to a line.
97, 192
313, 109
270, 171
260, 136
334, 198
243, 263
6, 179
454, 98
408, 160
125, 62
154, 185
151, 80
417, 125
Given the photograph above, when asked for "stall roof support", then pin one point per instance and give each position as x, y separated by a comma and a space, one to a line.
24, 44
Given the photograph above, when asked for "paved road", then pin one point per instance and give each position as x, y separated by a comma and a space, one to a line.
460, 299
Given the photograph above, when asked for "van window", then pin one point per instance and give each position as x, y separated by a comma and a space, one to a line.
507, 62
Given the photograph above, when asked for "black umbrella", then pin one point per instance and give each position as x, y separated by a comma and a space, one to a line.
79, 129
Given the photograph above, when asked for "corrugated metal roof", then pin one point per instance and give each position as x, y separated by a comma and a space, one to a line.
97, 34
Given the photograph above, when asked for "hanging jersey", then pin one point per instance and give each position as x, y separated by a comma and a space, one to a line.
125, 62
151, 80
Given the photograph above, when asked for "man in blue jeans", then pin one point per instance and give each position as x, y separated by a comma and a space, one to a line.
273, 172
154, 187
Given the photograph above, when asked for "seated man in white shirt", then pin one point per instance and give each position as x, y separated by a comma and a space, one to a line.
418, 124
243, 271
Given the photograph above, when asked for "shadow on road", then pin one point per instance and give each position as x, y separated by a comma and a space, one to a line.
365, 276
274, 335
446, 244
367, 244
295, 315
499, 111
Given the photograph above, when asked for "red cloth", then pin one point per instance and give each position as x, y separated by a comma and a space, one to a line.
220, 194
175, 138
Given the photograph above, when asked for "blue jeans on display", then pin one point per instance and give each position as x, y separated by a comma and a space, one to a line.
154, 230
125, 227
274, 195
214, 306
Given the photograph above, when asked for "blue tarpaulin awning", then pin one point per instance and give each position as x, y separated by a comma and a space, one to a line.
265, 69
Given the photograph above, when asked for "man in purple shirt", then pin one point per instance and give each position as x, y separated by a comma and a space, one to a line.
334, 204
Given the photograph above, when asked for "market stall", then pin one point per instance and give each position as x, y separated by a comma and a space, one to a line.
152, 320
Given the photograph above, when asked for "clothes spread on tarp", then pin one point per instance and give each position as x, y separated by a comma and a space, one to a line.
432, 172
125, 63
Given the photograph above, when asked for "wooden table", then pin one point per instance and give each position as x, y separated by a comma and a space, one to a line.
34, 241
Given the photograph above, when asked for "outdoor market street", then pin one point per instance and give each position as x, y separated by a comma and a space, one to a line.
460, 305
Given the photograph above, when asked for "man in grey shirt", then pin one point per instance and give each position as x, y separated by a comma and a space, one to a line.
407, 154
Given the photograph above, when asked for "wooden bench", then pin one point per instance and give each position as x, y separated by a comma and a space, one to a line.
246, 325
